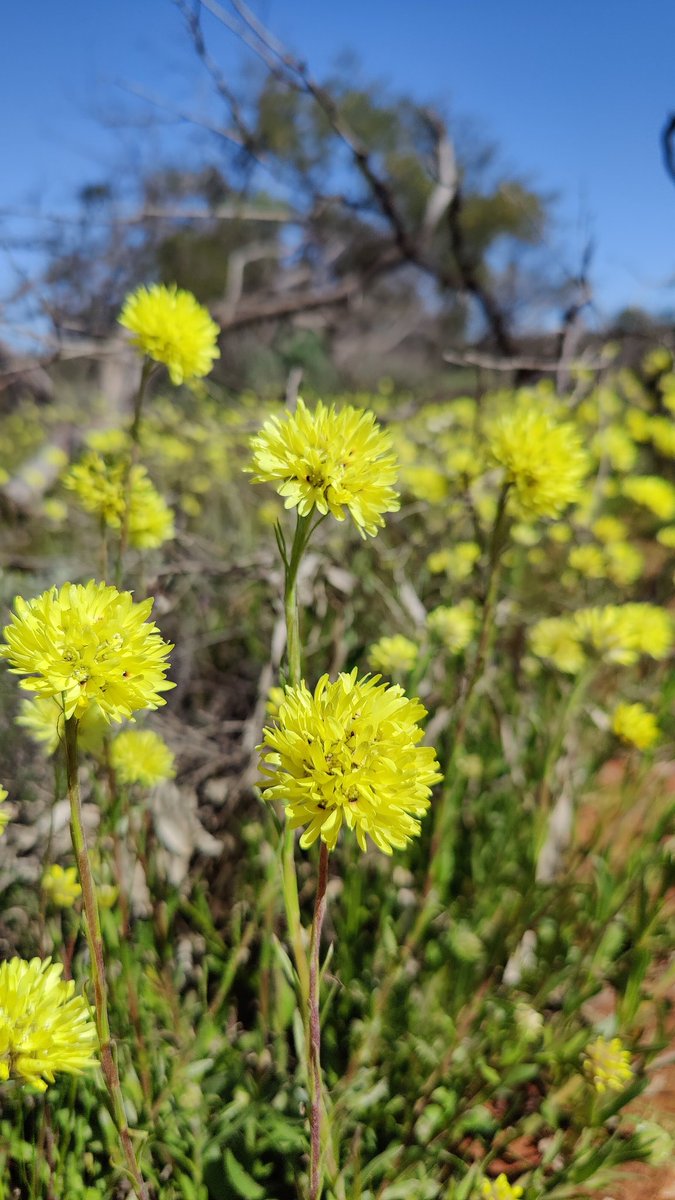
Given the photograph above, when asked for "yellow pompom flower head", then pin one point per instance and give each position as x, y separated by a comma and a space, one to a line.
607, 1065
349, 752
141, 756
4, 815
107, 487
44, 1026
171, 327
329, 460
543, 460
500, 1189
634, 724
61, 886
89, 646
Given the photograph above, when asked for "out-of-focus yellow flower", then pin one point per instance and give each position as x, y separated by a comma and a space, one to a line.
554, 640
425, 483
395, 655
329, 461
615, 444
662, 435
349, 752
609, 529
141, 756
106, 894
61, 887
543, 460
168, 325
633, 723
657, 362
54, 510
457, 561
500, 1189
44, 1026
654, 493
560, 533
454, 625
44, 721
4, 815
90, 646
103, 488
607, 1065
588, 561
625, 563
638, 424
666, 536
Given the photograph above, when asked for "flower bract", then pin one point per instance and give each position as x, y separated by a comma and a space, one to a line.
348, 752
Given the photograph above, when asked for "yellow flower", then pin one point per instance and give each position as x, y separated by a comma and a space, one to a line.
103, 488
614, 444
666, 536
349, 752
454, 625
654, 493
543, 460
500, 1189
169, 326
330, 461
393, 655
607, 1065
42, 717
554, 640
588, 561
4, 815
657, 361
61, 887
662, 435
457, 561
634, 724
625, 563
609, 529
90, 646
44, 1026
425, 483
141, 756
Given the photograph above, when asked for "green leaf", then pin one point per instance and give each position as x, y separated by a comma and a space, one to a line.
243, 1183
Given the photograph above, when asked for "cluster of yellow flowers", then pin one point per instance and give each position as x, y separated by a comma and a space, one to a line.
500, 1189
329, 461
89, 645
141, 756
542, 459
454, 625
106, 487
612, 633
634, 724
169, 326
61, 886
395, 655
608, 1065
44, 1026
349, 752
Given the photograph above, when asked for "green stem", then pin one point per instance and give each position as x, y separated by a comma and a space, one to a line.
134, 435
468, 694
316, 1091
95, 940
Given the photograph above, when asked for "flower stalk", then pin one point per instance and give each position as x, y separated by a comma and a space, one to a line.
96, 952
316, 1099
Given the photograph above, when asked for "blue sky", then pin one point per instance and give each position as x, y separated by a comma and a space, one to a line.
575, 95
